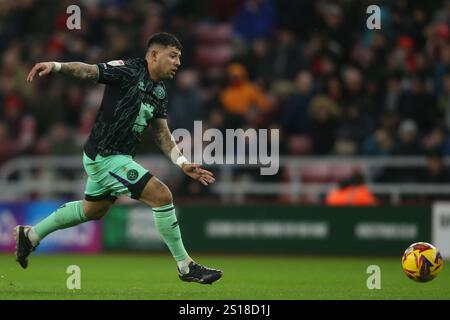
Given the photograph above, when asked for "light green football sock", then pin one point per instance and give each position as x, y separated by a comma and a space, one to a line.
167, 225
68, 215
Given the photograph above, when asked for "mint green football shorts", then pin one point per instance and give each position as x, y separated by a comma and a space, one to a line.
113, 176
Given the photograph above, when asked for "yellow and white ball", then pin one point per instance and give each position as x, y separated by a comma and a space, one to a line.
422, 262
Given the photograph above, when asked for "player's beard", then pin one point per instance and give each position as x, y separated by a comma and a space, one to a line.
171, 74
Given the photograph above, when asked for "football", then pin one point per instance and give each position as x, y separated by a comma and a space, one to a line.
422, 262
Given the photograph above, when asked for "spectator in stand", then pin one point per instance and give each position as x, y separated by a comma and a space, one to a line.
324, 115
339, 196
434, 141
295, 118
351, 192
443, 101
393, 93
258, 60
186, 105
408, 142
255, 19
435, 171
380, 143
241, 95
287, 57
59, 141
354, 127
353, 86
9, 147
21, 126
417, 104
334, 89
441, 65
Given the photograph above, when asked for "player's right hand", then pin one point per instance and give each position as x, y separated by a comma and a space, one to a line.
196, 172
41, 68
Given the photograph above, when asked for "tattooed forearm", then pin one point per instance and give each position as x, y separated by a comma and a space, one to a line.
164, 141
80, 70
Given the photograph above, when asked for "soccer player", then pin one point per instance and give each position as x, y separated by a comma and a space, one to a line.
134, 97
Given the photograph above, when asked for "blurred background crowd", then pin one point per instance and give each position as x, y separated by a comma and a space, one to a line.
309, 68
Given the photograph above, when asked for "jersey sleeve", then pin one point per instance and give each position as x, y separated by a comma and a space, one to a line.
161, 111
115, 71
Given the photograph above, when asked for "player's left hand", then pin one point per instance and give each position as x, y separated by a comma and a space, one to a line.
41, 68
196, 172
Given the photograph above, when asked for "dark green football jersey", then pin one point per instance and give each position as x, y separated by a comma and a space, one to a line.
131, 99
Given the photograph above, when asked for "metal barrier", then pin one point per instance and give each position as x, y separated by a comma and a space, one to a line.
48, 177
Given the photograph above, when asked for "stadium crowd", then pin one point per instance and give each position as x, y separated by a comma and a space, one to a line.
310, 68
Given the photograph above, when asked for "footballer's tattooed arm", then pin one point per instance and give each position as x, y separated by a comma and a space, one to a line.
164, 139
80, 70
77, 70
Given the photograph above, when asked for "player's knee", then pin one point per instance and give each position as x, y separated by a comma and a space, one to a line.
156, 194
161, 195
164, 197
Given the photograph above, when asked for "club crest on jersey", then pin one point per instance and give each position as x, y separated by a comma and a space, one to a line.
159, 92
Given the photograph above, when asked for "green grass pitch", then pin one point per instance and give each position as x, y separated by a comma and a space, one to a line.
128, 276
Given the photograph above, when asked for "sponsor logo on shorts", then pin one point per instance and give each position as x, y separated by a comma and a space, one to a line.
132, 174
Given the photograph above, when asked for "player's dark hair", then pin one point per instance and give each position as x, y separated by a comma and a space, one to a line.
164, 39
